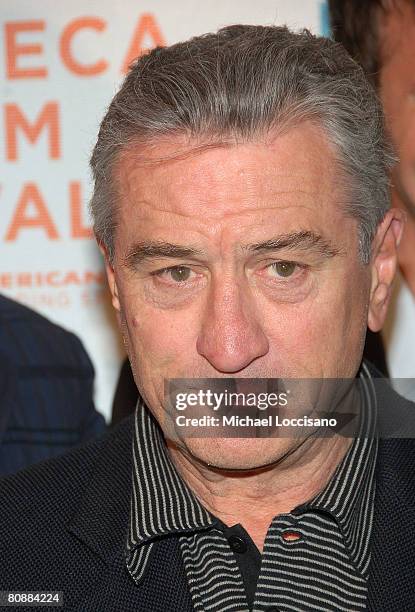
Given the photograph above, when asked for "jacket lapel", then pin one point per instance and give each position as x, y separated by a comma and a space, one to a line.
101, 519
101, 524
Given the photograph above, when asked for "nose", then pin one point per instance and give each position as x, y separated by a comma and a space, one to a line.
231, 336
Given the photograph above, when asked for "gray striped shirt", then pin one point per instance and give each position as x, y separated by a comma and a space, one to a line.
326, 568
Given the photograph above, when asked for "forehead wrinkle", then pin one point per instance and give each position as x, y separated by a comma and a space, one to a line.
164, 192
251, 210
211, 174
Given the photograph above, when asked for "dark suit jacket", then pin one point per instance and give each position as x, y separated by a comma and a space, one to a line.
63, 526
46, 384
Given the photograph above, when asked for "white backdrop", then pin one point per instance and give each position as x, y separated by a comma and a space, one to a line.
61, 63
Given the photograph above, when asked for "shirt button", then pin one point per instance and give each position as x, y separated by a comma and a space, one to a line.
291, 536
237, 544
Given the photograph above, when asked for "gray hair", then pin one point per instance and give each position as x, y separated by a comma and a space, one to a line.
241, 83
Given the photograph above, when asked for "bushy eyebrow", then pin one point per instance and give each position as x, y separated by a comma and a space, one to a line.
142, 251
303, 240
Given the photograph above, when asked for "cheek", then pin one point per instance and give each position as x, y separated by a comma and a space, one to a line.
157, 340
328, 331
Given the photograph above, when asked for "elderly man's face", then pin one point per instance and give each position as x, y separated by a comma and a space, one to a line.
397, 90
238, 262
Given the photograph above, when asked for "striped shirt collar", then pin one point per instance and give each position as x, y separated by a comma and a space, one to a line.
348, 496
162, 503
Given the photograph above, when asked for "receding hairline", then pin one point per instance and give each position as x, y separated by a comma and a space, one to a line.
242, 78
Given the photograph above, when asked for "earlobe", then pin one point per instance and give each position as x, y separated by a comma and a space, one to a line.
114, 291
378, 307
383, 266
112, 283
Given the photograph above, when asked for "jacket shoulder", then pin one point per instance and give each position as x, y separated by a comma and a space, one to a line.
47, 493
39, 504
40, 548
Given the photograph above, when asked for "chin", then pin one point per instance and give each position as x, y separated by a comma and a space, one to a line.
229, 454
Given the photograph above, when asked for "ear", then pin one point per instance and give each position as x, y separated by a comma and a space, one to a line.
109, 269
383, 266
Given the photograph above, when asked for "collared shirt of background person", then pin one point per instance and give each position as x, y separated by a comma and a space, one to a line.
241, 201
46, 380
380, 34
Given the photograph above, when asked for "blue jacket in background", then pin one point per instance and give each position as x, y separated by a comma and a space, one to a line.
46, 389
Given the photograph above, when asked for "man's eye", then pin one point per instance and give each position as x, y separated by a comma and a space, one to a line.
178, 274
283, 269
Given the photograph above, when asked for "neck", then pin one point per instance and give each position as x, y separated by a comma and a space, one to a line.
406, 251
254, 497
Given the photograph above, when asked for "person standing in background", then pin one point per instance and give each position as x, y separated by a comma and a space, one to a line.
46, 386
380, 35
